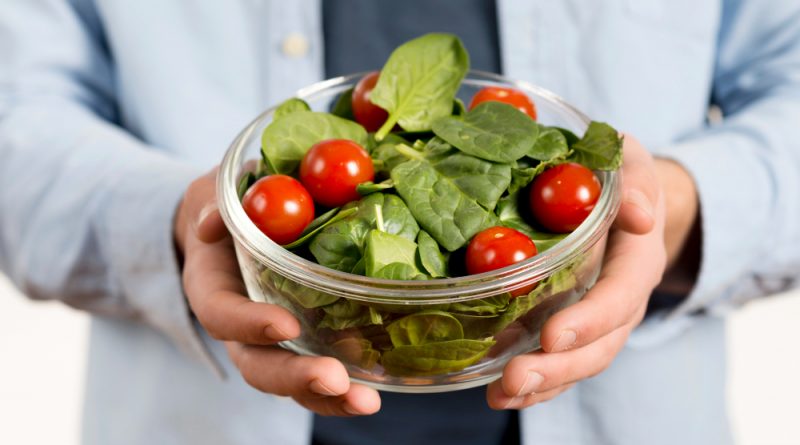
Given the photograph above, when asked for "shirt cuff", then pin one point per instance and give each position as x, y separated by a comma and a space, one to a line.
731, 203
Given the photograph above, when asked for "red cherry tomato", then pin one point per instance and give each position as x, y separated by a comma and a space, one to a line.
563, 196
332, 169
369, 115
280, 206
497, 247
507, 95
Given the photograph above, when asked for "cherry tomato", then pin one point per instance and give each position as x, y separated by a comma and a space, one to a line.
510, 96
497, 247
563, 196
332, 169
369, 115
280, 206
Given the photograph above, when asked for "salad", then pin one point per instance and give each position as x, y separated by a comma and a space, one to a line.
402, 181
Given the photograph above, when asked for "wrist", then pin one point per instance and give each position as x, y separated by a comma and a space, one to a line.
682, 229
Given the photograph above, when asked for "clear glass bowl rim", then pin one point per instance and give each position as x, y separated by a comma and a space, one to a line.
447, 290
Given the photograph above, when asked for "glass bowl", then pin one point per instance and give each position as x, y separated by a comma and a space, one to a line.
418, 336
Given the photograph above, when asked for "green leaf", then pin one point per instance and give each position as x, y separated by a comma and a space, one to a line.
520, 178
424, 327
384, 249
244, 184
366, 188
386, 156
430, 256
459, 109
303, 295
510, 216
550, 144
319, 223
286, 140
600, 148
400, 271
343, 107
449, 215
344, 314
484, 306
418, 83
479, 179
435, 358
290, 106
340, 245
494, 131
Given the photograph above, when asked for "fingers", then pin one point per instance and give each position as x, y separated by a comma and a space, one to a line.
215, 292
640, 189
199, 213
321, 384
632, 268
497, 399
533, 378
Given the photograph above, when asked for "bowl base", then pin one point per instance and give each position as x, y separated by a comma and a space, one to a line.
412, 385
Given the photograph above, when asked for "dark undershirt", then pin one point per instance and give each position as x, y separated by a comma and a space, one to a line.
359, 36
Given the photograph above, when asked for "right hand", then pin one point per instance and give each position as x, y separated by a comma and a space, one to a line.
250, 330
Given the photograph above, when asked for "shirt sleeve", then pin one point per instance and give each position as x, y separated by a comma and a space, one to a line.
86, 209
747, 168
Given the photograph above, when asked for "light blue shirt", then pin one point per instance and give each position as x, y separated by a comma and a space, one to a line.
108, 109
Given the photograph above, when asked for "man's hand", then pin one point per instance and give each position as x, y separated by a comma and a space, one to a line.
216, 294
583, 339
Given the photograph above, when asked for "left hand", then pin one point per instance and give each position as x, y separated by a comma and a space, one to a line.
583, 339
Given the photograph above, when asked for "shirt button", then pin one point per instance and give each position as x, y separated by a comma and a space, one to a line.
295, 45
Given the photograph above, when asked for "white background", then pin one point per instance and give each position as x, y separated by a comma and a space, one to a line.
43, 352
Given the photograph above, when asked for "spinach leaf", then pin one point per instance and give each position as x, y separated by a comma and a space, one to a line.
494, 131
430, 256
304, 296
343, 107
290, 106
386, 156
459, 109
550, 144
340, 245
366, 188
510, 216
318, 224
384, 249
571, 137
600, 148
358, 351
424, 327
400, 271
244, 184
418, 83
449, 215
479, 179
520, 178
286, 140
484, 306
435, 358
345, 314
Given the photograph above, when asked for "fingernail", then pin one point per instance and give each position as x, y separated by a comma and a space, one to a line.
531, 384
637, 198
204, 212
565, 340
318, 387
514, 401
275, 333
350, 410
